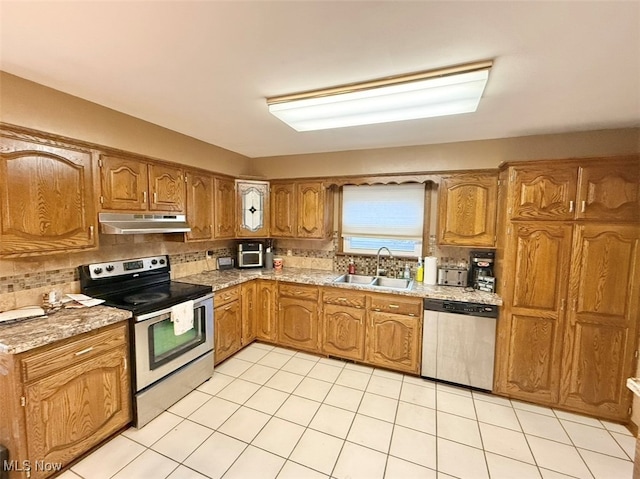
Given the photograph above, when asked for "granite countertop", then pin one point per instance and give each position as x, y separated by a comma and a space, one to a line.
27, 334
223, 279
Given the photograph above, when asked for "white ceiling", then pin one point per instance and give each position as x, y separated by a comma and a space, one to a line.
204, 68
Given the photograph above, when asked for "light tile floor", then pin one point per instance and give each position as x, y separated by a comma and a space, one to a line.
270, 412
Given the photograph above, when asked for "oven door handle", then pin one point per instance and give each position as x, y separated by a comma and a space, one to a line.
153, 314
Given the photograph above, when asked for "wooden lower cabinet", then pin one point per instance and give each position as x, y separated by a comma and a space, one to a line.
601, 333
227, 319
249, 304
380, 329
266, 310
343, 331
533, 316
568, 330
298, 317
343, 323
74, 394
394, 341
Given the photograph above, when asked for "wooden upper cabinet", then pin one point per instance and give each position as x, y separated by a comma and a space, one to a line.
609, 191
310, 202
301, 210
166, 185
283, 210
46, 194
467, 209
252, 208
124, 184
601, 333
225, 198
542, 192
131, 185
606, 189
199, 206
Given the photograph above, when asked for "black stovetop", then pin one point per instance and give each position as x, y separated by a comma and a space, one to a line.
156, 297
141, 285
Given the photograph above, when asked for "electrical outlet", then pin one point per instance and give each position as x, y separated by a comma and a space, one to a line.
289, 252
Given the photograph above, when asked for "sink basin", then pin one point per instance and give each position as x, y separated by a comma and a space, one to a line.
381, 282
394, 283
354, 278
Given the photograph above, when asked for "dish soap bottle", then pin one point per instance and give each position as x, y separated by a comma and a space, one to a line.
352, 267
420, 271
407, 271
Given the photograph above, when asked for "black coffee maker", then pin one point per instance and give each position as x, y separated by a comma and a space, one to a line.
481, 270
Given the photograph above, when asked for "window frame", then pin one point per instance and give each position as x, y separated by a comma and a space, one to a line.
429, 189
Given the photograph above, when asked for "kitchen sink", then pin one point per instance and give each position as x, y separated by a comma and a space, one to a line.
354, 278
394, 283
381, 282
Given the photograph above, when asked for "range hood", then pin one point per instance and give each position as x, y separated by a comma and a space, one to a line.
138, 224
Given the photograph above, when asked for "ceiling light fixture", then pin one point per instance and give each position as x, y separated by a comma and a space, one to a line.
446, 91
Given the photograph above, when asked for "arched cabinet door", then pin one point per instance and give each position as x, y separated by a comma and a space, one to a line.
467, 210
46, 197
252, 208
601, 333
610, 191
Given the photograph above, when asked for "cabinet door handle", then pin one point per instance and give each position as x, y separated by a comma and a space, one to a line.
570, 206
91, 232
144, 196
155, 197
583, 206
84, 351
393, 306
342, 299
227, 308
562, 305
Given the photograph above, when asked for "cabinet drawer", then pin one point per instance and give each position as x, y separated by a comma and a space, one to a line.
70, 352
396, 304
226, 295
299, 291
343, 297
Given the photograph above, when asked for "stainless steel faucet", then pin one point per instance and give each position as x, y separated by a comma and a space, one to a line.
382, 272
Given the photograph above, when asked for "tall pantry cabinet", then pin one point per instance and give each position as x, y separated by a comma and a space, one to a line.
570, 267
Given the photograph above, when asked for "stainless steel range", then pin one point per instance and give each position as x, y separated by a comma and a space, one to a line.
171, 331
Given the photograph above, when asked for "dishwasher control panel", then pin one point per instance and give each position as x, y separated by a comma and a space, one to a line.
460, 307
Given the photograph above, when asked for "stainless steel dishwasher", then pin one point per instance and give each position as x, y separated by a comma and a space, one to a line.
458, 342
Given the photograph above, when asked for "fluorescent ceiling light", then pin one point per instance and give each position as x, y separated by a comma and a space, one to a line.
447, 91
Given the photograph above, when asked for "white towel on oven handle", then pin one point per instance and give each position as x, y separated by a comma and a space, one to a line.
182, 317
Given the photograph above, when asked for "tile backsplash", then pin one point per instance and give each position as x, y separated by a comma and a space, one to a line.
23, 281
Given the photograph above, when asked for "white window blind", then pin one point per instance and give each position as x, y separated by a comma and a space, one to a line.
383, 215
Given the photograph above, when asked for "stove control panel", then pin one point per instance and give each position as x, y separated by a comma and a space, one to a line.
128, 267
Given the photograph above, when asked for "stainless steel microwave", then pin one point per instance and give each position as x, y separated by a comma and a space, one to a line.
250, 255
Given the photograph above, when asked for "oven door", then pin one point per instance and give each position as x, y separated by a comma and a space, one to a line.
159, 352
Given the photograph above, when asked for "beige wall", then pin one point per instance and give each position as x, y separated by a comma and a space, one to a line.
451, 156
32, 105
